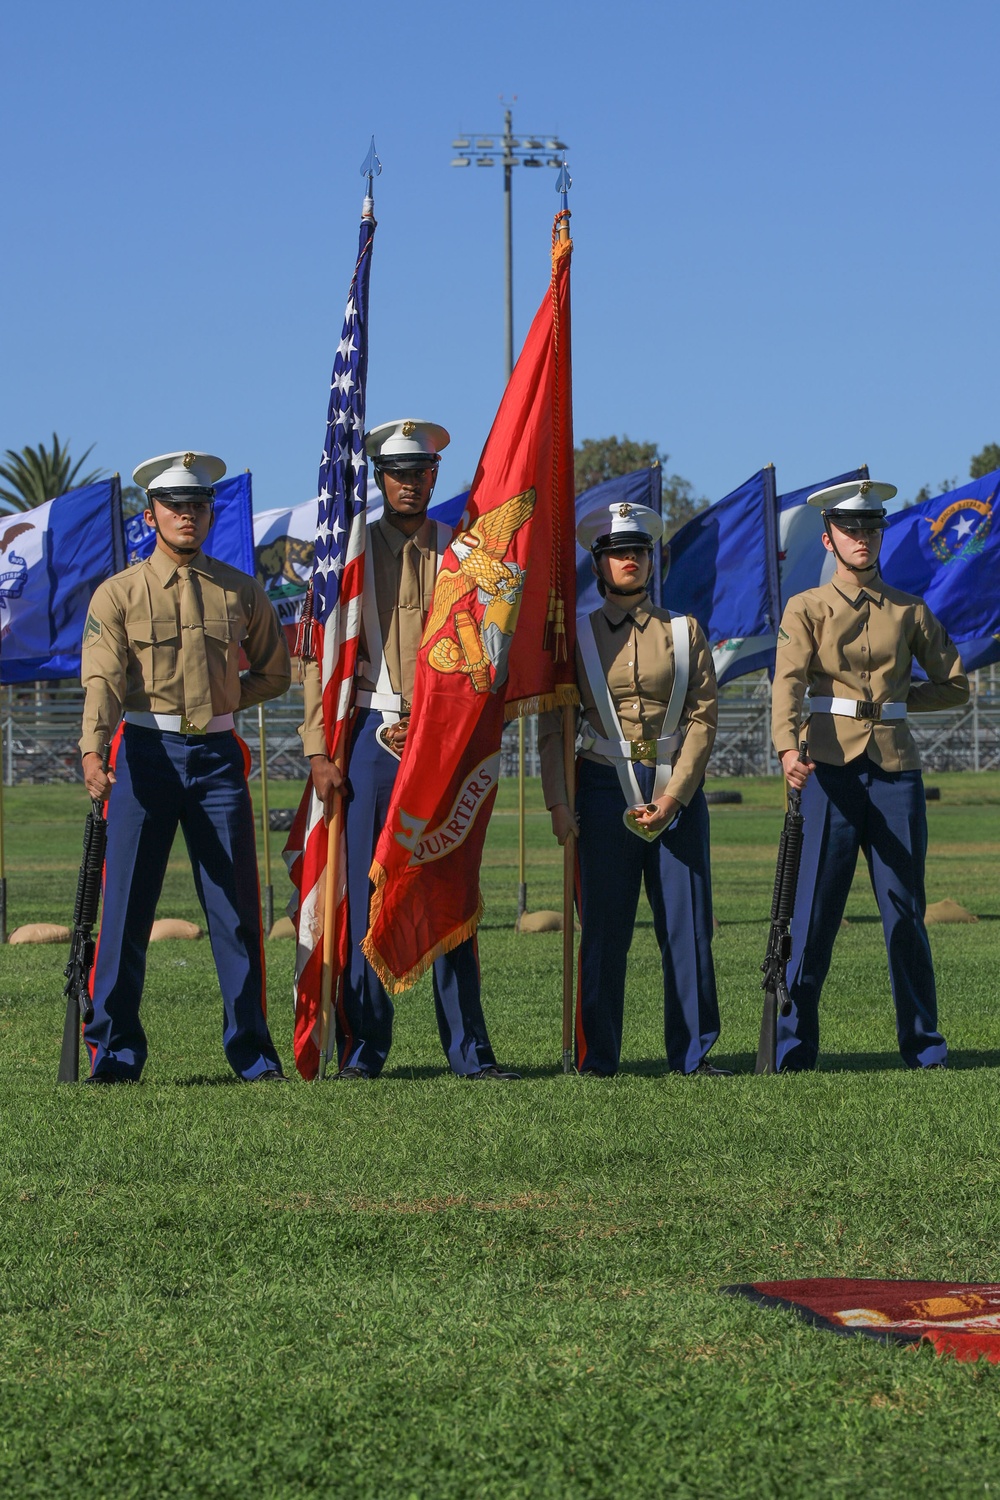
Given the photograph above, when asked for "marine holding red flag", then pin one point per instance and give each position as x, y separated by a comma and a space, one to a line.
510, 566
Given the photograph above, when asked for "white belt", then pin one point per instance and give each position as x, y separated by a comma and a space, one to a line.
386, 702
854, 708
657, 750
178, 724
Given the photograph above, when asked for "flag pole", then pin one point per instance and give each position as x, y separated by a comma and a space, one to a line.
265, 818
3, 866
569, 887
569, 768
522, 885
333, 842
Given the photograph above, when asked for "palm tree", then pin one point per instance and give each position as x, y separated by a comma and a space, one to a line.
36, 475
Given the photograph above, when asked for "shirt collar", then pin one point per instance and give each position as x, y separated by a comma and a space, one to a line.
165, 569
615, 615
396, 540
856, 593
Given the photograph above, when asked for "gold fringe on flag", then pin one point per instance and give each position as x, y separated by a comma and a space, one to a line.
564, 693
394, 984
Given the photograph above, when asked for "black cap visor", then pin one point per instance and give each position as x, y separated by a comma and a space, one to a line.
197, 495
857, 520
406, 461
634, 541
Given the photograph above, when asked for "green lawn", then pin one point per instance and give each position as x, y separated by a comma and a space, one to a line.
423, 1287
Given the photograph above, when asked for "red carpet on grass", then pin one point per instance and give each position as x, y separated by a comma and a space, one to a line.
958, 1317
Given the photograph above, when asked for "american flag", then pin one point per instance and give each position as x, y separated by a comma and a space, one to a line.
329, 634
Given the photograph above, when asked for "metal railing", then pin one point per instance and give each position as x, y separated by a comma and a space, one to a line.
41, 727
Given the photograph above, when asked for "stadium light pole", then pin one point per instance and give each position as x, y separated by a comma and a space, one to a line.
511, 152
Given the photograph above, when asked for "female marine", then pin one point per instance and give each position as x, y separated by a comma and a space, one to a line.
648, 720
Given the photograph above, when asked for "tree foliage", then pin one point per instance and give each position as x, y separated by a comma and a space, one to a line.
35, 475
600, 459
985, 461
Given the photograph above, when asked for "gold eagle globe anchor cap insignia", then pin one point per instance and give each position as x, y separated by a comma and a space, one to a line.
626, 527
857, 505
186, 470
406, 443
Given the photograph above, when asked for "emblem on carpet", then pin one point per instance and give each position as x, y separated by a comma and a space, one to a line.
961, 1318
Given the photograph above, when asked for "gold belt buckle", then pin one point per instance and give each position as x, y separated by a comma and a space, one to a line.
188, 728
869, 712
642, 750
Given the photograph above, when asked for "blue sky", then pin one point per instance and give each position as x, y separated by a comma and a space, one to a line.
784, 217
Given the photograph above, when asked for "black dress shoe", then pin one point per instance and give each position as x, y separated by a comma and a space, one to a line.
105, 1078
706, 1070
270, 1075
354, 1075
593, 1073
494, 1074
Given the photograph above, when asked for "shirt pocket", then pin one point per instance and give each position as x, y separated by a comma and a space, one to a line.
156, 644
222, 647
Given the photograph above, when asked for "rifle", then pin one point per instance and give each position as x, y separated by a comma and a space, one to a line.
79, 1005
779, 939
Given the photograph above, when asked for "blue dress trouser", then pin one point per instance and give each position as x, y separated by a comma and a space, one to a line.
676, 871
364, 1010
198, 781
883, 813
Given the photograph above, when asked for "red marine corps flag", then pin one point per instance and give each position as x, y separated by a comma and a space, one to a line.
498, 642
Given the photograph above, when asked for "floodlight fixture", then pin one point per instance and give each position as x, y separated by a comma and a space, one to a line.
464, 161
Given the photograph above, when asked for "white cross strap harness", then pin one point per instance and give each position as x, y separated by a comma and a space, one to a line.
855, 708
620, 751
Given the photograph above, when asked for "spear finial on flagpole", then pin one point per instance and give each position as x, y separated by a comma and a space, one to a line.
370, 168
563, 185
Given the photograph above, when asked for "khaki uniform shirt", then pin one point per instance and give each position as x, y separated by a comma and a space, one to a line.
386, 546
852, 640
132, 644
636, 651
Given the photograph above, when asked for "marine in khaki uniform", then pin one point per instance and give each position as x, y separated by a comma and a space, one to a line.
843, 680
648, 718
403, 553
161, 650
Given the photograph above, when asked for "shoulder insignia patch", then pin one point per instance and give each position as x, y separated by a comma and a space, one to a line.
783, 635
92, 631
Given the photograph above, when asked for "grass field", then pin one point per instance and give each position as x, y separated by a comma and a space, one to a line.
426, 1288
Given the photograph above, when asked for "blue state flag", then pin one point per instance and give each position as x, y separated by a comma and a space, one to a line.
947, 551
448, 512
230, 538
641, 487
723, 565
803, 563
52, 558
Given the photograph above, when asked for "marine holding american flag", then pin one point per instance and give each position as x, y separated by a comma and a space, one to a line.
403, 552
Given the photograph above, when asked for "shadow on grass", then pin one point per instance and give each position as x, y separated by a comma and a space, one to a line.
880, 1062
207, 1081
